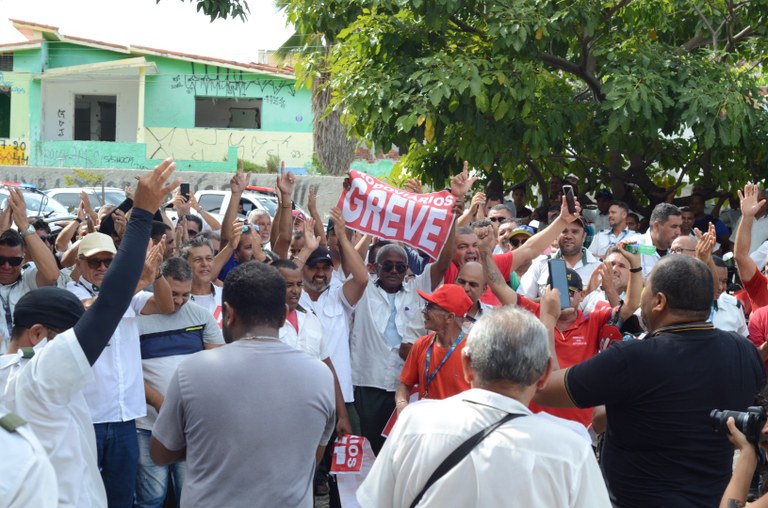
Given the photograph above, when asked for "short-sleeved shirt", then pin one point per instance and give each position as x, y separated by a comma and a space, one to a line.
660, 449
166, 340
309, 336
503, 262
9, 295
47, 392
758, 328
251, 415
757, 289
605, 239
534, 280
449, 379
211, 302
375, 363
577, 343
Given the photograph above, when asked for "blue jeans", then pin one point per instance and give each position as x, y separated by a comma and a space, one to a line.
152, 480
118, 456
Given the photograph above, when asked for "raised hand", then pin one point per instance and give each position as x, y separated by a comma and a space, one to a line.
180, 204
338, 220
5, 218
151, 188
461, 183
750, 206
237, 231
119, 220
705, 243
312, 200
311, 242
285, 182
550, 303
478, 201
564, 213
485, 238
240, 181
413, 185
18, 208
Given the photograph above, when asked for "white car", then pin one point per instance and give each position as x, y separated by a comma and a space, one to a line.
98, 196
38, 204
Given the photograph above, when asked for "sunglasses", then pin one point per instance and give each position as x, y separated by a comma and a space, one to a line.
517, 242
497, 219
95, 263
13, 261
429, 307
387, 266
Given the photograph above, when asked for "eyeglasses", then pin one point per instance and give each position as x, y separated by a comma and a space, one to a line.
13, 261
95, 263
517, 242
680, 250
387, 266
429, 307
497, 219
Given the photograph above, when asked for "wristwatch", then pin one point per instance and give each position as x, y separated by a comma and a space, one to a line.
30, 231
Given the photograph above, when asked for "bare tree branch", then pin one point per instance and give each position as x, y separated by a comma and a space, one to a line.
709, 27
465, 27
592, 82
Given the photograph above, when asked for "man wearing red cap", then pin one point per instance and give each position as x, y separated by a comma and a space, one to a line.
434, 363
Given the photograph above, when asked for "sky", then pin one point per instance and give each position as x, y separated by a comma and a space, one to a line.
171, 24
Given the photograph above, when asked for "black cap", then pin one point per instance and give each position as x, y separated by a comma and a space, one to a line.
573, 278
318, 255
49, 306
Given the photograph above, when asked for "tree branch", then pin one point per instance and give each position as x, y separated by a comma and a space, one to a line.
565, 65
464, 27
709, 27
613, 10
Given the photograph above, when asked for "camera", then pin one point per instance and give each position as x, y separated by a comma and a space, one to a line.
750, 422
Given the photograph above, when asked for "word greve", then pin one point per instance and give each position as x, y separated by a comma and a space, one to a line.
422, 221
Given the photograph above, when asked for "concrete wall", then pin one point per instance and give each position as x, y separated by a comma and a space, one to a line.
329, 187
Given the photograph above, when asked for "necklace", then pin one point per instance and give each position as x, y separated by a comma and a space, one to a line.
262, 338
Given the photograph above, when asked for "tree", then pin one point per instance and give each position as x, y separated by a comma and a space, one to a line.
221, 8
652, 93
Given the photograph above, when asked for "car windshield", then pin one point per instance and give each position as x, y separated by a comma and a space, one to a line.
270, 204
37, 204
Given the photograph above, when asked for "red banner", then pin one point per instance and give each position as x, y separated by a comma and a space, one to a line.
347, 454
422, 221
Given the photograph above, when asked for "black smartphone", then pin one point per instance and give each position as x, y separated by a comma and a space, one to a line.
569, 199
559, 280
184, 189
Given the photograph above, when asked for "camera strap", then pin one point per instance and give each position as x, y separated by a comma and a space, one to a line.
459, 453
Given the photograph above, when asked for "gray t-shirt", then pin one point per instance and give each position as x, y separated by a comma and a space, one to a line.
251, 415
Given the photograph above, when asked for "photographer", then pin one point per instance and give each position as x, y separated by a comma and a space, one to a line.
735, 494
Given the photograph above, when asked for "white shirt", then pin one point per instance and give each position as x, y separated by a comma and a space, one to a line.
647, 261
374, 362
590, 301
335, 315
309, 337
27, 478
759, 233
9, 296
211, 301
729, 315
758, 255
599, 221
605, 239
529, 461
117, 395
47, 392
534, 280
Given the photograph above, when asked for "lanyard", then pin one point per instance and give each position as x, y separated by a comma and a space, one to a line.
7, 305
92, 290
429, 377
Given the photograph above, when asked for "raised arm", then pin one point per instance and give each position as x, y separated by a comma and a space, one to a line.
705, 244
351, 263
312, 208
237, 186
499, 287
549, 313
634, 286
47, 269
226, 251
281, 242
750, 206
540, 241
99, 322
64, 237
209, 219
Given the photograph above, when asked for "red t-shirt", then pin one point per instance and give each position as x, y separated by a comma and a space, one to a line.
758, 328
579, 342
448, 381
757, 289
503, 261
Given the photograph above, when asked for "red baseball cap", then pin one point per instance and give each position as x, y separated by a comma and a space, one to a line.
450, 297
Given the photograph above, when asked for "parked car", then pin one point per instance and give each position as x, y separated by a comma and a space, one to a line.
38, 203
98, 196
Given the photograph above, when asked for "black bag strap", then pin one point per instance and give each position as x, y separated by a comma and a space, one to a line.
459, 453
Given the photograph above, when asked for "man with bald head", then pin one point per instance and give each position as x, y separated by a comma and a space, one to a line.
684, 244
471, 278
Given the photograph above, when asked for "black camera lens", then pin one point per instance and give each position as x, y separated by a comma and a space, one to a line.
750, 422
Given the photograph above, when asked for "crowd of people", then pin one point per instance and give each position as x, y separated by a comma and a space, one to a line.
148, 361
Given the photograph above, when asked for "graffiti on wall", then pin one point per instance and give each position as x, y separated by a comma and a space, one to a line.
61, 116
13, 87
213, 145
212, 80
91, 155
13, 153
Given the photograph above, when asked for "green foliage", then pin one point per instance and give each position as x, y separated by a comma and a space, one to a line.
272, 165
84, 178
221, 8
614, 92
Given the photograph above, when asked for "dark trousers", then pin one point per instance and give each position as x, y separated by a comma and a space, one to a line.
374, 407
